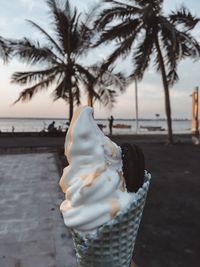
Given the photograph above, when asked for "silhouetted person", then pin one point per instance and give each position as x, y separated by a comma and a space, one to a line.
111, 119
60, 128
13, 129
67, 126
51, 127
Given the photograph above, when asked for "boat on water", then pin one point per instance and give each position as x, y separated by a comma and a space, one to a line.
122, 126
152, 128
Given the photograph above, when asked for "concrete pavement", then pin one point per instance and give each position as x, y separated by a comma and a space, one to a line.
32, 233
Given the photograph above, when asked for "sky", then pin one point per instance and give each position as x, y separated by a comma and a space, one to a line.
13, 24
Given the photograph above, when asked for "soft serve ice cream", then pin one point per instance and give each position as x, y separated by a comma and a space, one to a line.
93, 181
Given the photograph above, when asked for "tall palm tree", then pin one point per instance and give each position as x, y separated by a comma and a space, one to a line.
58, 58
141, 28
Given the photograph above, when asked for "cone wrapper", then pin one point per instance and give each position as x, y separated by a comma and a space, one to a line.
112, 244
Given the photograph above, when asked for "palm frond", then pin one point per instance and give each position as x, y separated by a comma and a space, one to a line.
184, 17
61, 22
88, 78
141, 57
84, 74
85, 39
171, 57
184, 46
172, 76
177, 44
68, 9
66, 23
116, 12
60, 92
121, 51
75, 34
171, 52
109, 78
48, 37
5, 49
107, 97
168, 32
31, 52
28, 93
189, 45
102, 87
119, 32
23, 78
86, 33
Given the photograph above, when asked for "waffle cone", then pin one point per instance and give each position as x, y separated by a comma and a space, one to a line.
112, 244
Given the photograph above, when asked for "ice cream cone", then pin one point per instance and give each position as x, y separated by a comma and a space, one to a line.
112, 244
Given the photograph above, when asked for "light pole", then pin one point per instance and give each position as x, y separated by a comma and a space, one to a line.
136, 105
157, 117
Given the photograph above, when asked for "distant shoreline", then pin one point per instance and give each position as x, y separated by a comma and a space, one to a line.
102, 119
124, 126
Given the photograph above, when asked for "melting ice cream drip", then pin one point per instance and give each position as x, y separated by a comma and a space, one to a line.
93, 182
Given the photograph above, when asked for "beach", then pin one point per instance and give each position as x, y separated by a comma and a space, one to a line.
168, 232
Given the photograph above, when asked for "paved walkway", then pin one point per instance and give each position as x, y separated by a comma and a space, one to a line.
32, 233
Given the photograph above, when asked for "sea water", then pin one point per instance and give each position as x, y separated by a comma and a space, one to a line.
39, 124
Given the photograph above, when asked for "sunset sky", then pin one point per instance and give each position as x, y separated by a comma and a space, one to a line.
151, 99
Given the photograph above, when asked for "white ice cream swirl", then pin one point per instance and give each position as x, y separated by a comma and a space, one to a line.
93, 182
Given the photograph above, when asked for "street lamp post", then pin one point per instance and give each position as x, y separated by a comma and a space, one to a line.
136, 105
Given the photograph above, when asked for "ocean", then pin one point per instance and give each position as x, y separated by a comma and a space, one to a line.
38, 124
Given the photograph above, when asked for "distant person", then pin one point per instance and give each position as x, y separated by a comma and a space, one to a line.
59, 128
13, 129
67, 126
51, 127
111, 120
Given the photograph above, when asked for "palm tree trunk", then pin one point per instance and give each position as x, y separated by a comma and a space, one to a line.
71, 104
90, 101
68, 85
166, 91
69, 74
90, 95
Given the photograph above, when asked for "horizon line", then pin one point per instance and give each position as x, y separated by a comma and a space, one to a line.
64, 118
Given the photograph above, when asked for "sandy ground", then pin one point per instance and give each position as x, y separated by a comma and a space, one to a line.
169, 232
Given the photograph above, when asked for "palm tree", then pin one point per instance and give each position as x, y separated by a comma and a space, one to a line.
59, 57
141, 28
